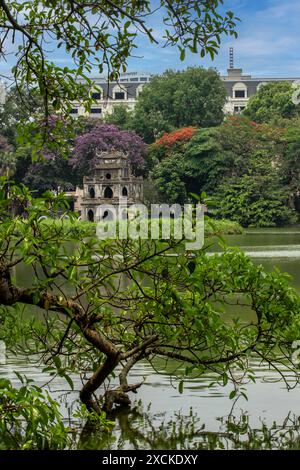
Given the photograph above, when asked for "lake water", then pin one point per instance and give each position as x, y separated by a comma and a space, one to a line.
168, 419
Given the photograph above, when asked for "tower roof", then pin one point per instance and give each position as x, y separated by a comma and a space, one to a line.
111, 159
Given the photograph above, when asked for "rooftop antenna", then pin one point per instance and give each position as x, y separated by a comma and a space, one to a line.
231, 58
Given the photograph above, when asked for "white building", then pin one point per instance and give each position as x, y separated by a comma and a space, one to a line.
240, 88
108, 95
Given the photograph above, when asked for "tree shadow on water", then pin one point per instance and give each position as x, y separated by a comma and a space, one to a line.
141, 429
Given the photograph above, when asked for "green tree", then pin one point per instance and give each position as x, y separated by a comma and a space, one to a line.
30, 418
290, 164
256, 200
169, 179
188, 167
52, 173
121, 116
254, 190
208, 162
241, 140
272, 101
193, 97
96, 325
17, 110
251, 170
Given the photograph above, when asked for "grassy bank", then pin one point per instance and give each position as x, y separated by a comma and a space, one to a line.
211, 227
222, 227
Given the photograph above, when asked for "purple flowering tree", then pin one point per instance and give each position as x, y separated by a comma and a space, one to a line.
106, 137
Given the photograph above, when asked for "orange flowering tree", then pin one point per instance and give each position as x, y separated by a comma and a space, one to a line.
182, 161
168, 147
169, 144
183, 135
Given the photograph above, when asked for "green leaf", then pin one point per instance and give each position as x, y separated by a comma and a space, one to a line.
69, 380
20, 377
4, 383
57, 362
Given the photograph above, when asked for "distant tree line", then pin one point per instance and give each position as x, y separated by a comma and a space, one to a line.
179, 139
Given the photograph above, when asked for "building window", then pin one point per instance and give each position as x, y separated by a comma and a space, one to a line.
108, 193
96, 96
240, 94
240, 90
143, 79
92, 193
134, 79
74, 111
124, 191
91, 215
119, 95
119, 92
108, 176
96, 110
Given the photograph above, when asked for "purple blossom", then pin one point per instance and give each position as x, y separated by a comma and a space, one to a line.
106, 137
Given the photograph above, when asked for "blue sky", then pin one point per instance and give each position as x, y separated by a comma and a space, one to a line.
267, 46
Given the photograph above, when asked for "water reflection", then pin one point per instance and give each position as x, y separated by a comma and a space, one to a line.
273, 248
136, 429
201, 417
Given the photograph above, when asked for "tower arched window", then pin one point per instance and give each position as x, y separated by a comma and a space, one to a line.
108, 193
92, 193
91, 215
124, 191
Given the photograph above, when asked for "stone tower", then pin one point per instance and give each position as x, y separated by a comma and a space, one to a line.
111, 184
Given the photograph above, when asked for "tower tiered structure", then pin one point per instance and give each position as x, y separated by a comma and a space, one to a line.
110, 189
